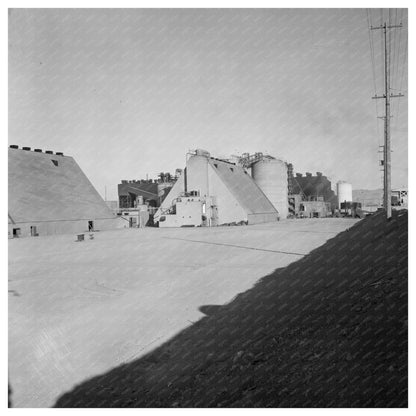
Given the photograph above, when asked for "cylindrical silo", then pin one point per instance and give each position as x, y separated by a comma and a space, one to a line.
197, 173
344, 192
270, 176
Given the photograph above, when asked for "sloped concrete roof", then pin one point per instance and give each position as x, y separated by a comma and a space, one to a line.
41, 191
242, 186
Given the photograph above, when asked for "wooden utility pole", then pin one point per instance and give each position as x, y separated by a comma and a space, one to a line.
387, 95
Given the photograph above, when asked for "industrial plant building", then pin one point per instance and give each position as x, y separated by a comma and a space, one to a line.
212, 192
139, 199
246, 189
310, 196
145, 191
50, 194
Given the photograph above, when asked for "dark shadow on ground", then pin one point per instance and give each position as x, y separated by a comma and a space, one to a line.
209, 310
329, 330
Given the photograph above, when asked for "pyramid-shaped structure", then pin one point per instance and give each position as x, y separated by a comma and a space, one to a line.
50, 194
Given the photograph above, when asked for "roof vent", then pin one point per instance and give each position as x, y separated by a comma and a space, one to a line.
59, 154
49, 152
38, 150
14, 146
26, 148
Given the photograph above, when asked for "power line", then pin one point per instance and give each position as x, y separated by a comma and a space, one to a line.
400, 41
395, 61
396, 110
373, 65
371, 49
401, 81
394, 48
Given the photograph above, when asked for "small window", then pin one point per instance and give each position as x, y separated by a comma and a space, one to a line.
232, 169
216, 165
55, 162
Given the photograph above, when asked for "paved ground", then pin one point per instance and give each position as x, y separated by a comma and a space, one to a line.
77, 310
328, 330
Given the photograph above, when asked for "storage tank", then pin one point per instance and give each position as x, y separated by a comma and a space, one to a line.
270, 176
197, 174
344, 192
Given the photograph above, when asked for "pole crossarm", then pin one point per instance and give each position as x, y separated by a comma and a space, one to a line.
385, 26
391, 96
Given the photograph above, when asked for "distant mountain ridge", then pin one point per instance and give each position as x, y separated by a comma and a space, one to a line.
368, 196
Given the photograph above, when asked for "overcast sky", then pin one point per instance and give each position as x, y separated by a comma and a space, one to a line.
129, 92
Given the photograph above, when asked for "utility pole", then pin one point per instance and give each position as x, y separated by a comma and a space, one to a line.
387, 96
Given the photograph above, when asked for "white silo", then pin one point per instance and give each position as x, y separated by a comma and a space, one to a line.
270, 176
196, 175
344, 192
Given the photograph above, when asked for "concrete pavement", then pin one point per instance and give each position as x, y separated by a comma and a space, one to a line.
78, 309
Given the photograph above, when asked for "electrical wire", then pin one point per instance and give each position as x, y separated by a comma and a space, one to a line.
401, 80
